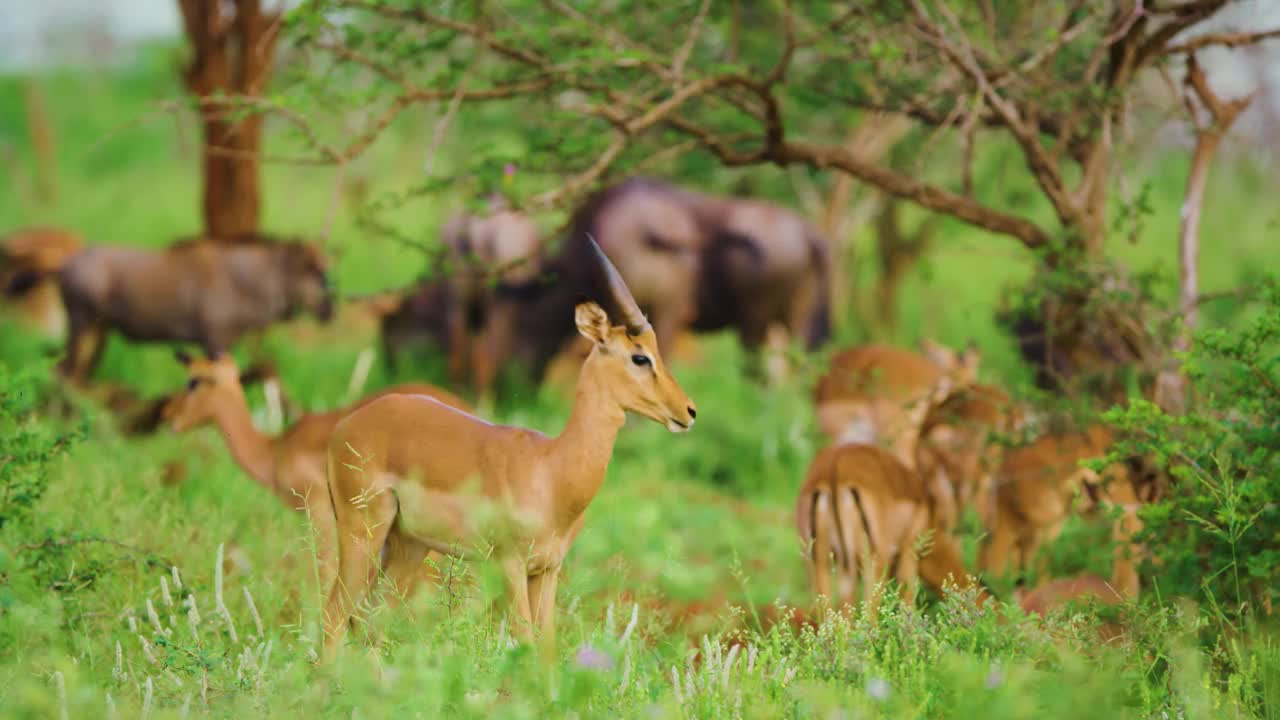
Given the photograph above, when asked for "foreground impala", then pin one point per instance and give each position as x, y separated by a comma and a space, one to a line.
864, 512
410, 474
292, 464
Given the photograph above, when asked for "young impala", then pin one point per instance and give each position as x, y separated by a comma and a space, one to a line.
1035, 488
880, 394
961, 447
291, 465
410, 474
864, 511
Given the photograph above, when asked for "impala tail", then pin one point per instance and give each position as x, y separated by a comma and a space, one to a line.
832, 527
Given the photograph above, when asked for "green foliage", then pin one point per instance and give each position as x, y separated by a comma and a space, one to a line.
695, 533
28, 447
1093, 331
1217, 534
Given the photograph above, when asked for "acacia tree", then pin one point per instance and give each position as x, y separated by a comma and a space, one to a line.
232, 44
608, 88
1050, 77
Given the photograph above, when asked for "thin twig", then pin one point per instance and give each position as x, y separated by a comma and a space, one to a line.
682, 55
437, 137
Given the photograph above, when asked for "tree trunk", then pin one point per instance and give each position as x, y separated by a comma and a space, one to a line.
231, 59
1171, 386
847, 207
42, 145
898, 251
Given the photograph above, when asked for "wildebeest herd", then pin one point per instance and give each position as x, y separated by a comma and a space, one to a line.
915, 438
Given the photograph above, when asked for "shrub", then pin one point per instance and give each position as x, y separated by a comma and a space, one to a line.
27, 446
1217, 533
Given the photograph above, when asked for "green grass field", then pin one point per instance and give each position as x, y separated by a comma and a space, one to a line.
691, 539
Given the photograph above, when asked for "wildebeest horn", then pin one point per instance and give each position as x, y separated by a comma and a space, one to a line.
620, 295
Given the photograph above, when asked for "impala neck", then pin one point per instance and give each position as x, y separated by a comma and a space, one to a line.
251, 448
581, 453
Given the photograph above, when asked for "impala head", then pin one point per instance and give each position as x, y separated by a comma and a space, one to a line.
212, 384
961, 366
625, 350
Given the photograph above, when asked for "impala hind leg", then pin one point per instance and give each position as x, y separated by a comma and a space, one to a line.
874, 560
402, 560
853, 542
403, 566
819, 552
994, 555
324, 534
363, 525
1033, 543
908, 567
875, 576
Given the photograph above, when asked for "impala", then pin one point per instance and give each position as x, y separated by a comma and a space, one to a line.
863, 511
881, 394
29, 262
960, 449
411, 474
290, 465
1035, 488
1053, 594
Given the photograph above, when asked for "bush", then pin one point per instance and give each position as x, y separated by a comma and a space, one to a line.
1217, 534
27, 446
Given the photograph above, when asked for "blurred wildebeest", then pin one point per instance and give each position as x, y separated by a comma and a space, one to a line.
413, 318
487, 253
708, 263
691, 261
202, 291
29, 262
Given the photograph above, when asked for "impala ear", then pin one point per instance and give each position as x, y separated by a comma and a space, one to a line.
969, 360
593, 322
938, 354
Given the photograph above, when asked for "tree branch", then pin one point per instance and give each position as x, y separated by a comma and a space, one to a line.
686, 49
1228, 40
833, 156
1042, 167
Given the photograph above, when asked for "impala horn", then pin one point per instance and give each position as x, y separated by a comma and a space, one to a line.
619, 295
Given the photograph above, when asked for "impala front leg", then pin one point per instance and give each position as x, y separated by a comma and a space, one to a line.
324, 531
542, 596
516, 570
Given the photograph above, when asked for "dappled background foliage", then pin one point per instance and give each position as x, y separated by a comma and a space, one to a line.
996, 172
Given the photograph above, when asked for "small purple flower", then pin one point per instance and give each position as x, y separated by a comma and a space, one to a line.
508, 169
592, 659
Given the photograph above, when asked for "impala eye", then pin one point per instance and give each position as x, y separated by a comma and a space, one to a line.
640, 360
193, 383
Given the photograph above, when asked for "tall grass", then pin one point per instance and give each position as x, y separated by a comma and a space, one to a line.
138, 591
